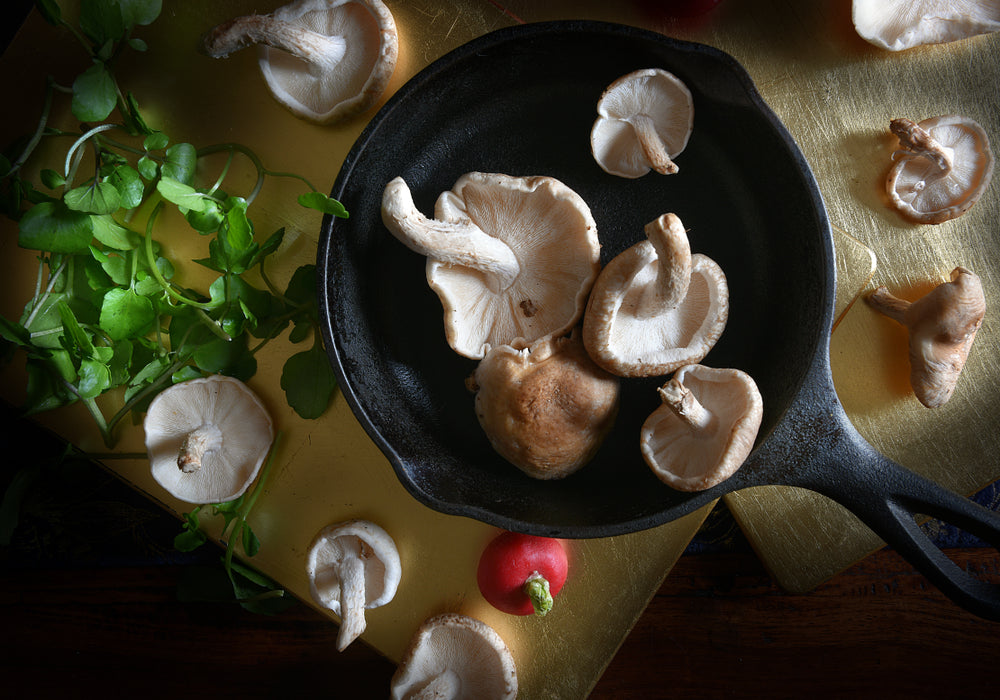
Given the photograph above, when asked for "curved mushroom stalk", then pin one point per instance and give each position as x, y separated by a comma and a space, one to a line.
656, 307
456, 242
545, 408
942, 168
644, 122
942, 327
509, 257
705, 428
207, 439
324, 60
353, 566
454, 656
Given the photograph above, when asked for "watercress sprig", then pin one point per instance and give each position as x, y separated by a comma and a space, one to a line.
106, 313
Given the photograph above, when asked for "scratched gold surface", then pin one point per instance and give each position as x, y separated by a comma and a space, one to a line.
835, 94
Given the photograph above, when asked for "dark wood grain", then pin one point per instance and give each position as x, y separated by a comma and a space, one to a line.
717, 628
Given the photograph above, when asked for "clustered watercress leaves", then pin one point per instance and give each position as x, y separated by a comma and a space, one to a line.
105, 313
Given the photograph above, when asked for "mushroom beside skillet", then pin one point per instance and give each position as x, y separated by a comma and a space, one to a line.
656, 307
509, 257
644, 121
452, 657
944, 165
324, 60
207, 439
705, 428
902, 24
546, 408
942, 326
353, 566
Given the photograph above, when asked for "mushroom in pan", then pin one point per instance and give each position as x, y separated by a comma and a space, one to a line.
705, 428
325, 60
454, 656
644, 122
207, 438
509, 257
546, 408
656, 307
943, 167
942, 326
352, 566
902, 24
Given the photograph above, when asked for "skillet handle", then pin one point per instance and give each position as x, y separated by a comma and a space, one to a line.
894, 497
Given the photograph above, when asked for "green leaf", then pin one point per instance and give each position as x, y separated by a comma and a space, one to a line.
121, 362
309, 382
302, 286
95, 378
54, 227
14, 332
251, 545
229, 357
51, 178
75, 336
45, 391
147, 167
155, 141
181, 194
95, 198
126, 180
102, 20
322, 203
181, 159
112, 234
94, 94
142, 12
206, 220
125, 314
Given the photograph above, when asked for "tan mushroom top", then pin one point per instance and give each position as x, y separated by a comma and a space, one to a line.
454, 657
903, 24
509, 257
656, 307
942, 326
325, 60
207, 439
353, 566
705, 428
942, 168
644, 121
545, 408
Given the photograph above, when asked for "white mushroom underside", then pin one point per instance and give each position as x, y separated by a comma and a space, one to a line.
225, 473
615, 141
919, 184
553, 237
902, 24
325, 580
289, 77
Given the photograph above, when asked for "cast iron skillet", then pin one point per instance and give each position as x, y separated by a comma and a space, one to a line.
521, 101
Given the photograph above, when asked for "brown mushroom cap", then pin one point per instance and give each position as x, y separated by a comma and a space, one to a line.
509, 257
324, 60
942, 327
902, 24
944, 166
656, 307
705, 428
455, 656
545, 408
644, 121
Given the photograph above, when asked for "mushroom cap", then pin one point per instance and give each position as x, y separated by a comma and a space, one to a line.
689, 460
625, 339
246, 431
545, 408
354, 538
553, 236
651, 93
462, 652
902, 24
356, 82
924, 193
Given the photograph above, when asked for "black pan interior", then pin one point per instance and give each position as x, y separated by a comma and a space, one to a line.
521, 101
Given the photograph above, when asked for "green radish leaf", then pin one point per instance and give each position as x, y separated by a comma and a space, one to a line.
54, 227
94, 94
308, 381
180, 163
322, 203
125, 314
95, 198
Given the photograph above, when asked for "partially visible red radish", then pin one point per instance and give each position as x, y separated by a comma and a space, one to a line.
520, 574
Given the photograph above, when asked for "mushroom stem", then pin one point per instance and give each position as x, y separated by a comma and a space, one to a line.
199, 442
536, 587
321, 52
452, 242
352, 600
443, 685
652, 145
915, 139
673, 272
886, 303
685, 406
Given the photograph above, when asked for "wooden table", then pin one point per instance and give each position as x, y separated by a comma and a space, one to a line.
90, 598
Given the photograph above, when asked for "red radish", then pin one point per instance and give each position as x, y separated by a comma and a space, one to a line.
519, 574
